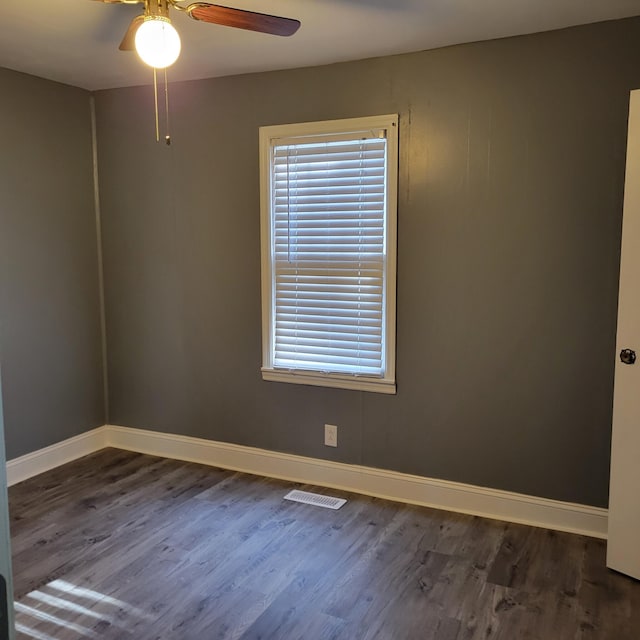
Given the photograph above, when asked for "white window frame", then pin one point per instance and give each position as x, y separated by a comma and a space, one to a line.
268, 137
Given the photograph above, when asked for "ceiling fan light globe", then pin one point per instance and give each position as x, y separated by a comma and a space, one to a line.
157, 42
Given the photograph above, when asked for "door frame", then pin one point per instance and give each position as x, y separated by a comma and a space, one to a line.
7, 626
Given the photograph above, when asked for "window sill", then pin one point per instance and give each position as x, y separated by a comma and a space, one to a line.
336, 381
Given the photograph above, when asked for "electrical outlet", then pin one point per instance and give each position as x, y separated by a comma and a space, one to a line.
330, 435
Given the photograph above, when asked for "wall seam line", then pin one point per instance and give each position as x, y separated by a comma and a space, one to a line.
98, 221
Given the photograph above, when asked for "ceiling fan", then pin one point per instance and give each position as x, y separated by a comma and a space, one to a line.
157, 42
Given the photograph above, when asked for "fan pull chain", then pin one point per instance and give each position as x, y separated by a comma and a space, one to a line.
167, 136
155, 98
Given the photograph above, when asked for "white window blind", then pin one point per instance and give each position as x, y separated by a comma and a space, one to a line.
328, 270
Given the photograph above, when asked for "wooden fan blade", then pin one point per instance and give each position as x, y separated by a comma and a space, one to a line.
242, 19
129, 41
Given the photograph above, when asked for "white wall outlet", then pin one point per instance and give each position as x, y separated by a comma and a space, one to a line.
331, 435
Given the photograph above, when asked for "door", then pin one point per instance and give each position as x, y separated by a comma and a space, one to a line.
6, 588
623, 549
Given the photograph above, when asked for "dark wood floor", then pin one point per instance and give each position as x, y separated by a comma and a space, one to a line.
119, 545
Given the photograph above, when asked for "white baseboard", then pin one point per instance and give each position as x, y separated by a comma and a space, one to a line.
32, 464
401, 487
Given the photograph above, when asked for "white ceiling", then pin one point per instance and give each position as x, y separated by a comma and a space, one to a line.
76, 41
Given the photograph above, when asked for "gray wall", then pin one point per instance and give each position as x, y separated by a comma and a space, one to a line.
511, 184
49, 313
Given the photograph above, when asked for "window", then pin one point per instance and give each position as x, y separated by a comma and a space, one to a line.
328, 196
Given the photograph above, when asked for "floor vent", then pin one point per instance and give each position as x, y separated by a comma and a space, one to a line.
315, 499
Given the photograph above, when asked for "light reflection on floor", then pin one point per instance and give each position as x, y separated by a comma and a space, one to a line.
76, 612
